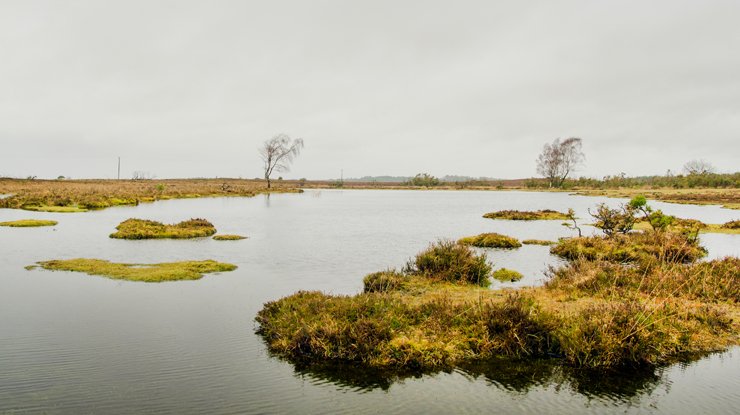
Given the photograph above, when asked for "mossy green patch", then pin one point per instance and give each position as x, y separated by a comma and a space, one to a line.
507, 275
226, 237
149, 229
55, 209
545, 214
168, 271
28, 223
491, 240
538, 242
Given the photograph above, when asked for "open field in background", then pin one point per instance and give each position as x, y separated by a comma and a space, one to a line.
81, 195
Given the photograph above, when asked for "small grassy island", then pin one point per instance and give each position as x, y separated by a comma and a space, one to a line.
226, 237
168, 271
538, 242
596, 311
491, 240
546, 214
149, 229
507, 275
28, 223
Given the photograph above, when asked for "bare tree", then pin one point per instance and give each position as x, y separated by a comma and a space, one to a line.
278, 153
698, 167
559, 159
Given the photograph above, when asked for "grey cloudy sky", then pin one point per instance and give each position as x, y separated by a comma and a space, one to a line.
191, 88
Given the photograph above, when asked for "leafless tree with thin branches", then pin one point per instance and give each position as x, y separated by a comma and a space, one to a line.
559, 159
278, 153
698, 167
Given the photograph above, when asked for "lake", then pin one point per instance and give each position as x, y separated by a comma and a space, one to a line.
73, 343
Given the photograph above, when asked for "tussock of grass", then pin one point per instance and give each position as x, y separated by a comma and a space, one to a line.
506, 275
28, 223
680, 224
169, 271
491, 240
149, 229
545, 214
228, 237
538, 242
636, 246
54, 209
451, 262
592, 314
733, 224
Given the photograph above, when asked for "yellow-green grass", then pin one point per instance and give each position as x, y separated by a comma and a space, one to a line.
227, 237
28, 223
546, 214
491, 240
538, 242
149, 229
168, 271
631, 247
507, 275
593, 314
55, 209
700, 226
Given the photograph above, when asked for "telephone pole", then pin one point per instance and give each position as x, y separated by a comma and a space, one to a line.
119, 168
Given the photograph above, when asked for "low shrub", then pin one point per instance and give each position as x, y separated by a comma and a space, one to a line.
452, 262
491, 240
384, 281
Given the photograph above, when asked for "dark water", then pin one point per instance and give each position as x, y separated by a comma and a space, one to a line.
73, 343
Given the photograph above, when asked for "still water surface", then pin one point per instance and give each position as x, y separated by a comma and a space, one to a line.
73, 343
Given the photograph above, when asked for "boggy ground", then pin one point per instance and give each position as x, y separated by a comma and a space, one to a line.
437, 314
82, 195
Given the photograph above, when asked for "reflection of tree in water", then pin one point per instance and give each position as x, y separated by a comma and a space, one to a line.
511, 375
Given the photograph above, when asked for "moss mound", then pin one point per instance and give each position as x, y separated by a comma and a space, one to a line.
507, 275
149, 229
538, 242
168, 271
631, 247
491, 240
545, 214
228, 237
28, 223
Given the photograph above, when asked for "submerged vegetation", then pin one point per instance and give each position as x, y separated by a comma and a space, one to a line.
28, 223
227, 237
491, 240
545, 214
623, 299
149, 229
169, 271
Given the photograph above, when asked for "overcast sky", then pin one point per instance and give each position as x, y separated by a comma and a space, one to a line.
191, 88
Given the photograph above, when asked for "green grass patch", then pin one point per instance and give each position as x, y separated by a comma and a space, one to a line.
227, 237
451, 262
507, 275
168, 271
538, 242
545, 214
149, 229
29, 223
631, 247
491, 240
55, 209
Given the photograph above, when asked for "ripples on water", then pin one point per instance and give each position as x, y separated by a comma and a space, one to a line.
72, 343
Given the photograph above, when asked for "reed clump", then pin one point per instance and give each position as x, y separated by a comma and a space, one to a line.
28, 223
491, 240
168, 271
591, 314
149, 229
546, 214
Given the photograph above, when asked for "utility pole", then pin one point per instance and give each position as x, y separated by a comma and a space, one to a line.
119, 168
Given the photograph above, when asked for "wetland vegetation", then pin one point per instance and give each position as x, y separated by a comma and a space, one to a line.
491, 240
149, 229
28, 223
228, 237
168, 271
545, 214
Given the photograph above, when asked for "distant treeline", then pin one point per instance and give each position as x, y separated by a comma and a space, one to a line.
408, 179
728, 180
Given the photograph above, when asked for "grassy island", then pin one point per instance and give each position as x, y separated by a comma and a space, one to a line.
168, 271
507, 275
546, 214
149, 229
28, 223
226, 237
538, 242
491, 240
592, 313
